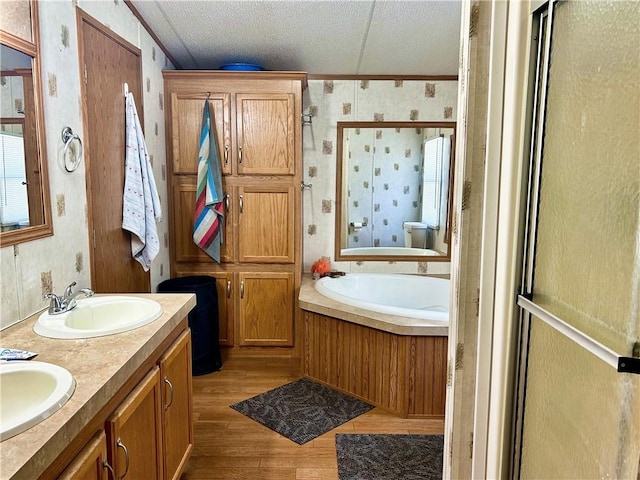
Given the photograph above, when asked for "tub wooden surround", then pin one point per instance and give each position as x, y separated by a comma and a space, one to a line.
111, 374
378, 358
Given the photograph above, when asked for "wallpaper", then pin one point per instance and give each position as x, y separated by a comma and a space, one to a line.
332, 101
32, 268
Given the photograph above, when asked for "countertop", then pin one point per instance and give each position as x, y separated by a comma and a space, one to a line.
310, 299
100, 366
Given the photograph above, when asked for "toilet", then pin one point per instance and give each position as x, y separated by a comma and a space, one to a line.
416, 235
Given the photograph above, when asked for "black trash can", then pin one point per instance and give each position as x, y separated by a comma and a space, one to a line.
203, 321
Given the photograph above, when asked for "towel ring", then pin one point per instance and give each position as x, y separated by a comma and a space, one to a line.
67, 137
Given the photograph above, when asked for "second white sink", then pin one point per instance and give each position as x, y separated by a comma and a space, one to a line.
99, 316
29, 393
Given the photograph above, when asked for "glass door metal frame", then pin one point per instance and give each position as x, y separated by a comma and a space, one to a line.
542, 28
538, 65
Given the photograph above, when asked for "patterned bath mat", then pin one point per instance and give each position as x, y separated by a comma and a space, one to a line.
389, 457
302, 410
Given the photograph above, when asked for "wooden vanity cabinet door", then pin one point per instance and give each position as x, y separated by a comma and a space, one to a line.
89, 463
136, 426
177, 401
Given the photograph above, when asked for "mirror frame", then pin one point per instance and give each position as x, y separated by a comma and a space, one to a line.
339, 257
45, 229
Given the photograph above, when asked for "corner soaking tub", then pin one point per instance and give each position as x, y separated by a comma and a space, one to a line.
425, 298
380, 337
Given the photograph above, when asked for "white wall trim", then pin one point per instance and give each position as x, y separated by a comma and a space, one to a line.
451, 415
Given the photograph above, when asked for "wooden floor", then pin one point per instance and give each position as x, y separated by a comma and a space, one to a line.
229, 445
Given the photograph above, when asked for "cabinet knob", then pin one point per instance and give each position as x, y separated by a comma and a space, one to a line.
241, 203
226, 154
228, 288
242, 289
239, 153
226, 203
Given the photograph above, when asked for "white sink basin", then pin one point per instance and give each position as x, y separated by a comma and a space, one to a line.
29, 393
99, 316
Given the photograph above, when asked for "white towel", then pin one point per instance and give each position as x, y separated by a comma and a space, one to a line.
141, 206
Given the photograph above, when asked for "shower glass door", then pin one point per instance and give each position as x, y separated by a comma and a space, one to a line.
578, 416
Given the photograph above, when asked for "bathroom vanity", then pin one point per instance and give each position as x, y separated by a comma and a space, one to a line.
132, 405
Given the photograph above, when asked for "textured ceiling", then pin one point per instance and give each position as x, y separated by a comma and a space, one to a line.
350, 37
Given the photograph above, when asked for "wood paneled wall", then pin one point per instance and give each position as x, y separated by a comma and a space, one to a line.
402, 374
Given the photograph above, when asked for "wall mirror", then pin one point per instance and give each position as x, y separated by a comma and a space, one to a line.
25, 212
393, 191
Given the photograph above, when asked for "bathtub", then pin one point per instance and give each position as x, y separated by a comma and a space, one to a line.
383, 251
375, 349
425, 298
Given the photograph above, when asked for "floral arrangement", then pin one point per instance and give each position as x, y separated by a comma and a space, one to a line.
321, 267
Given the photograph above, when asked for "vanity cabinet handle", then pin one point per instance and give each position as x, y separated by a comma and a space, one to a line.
242, 289
239, 153
226, 203
121, 445
228, 288
241, 203
226, 154
106, 465
166, 407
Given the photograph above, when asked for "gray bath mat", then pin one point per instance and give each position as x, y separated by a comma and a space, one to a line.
389, 457
302, 410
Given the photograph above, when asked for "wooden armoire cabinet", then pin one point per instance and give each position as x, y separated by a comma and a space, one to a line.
258, 126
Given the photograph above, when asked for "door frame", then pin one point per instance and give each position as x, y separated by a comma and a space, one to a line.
507, 150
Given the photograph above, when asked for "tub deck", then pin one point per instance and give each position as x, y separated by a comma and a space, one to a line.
396, 363
310, 300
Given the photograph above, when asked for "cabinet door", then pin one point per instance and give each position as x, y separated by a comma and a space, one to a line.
266, 308
134, 432
265, 134
266, 226
177, 401
225, 288
89, 464
184, 203
186, 124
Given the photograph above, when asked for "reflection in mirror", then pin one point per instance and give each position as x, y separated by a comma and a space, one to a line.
24, 202
18, 151
393, 190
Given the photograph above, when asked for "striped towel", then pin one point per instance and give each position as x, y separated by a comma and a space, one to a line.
141, 204
207, 231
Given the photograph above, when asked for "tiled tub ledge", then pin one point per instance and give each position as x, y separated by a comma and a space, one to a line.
310, 300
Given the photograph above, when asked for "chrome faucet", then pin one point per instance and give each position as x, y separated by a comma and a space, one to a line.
66, 302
